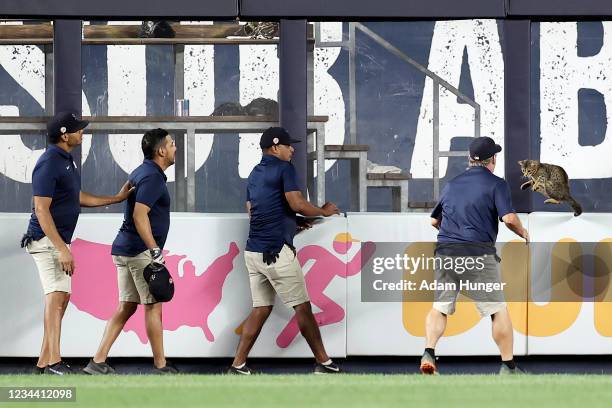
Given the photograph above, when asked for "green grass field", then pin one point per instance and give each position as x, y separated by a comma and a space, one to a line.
354, 391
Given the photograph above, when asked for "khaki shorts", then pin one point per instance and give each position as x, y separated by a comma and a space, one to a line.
487, 303
46, 257
284, 277
132, 285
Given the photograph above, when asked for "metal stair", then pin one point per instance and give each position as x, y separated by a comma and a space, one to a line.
346, 152
398, 182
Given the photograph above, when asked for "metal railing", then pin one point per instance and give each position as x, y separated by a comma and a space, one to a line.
437, 82
185, 130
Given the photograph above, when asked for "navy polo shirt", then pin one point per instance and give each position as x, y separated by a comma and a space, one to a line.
55, 175
471, 206
150, 189
273, 222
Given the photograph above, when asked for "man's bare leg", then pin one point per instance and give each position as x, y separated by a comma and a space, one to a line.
155, 332
250, 331
503, 334
43, 359
435, 324
55, 306
310, 330
113, 328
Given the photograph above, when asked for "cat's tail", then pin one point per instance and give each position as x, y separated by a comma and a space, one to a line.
575, 206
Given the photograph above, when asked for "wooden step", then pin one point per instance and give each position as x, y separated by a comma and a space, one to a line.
421, 204
389, 176
347, 148
217, 33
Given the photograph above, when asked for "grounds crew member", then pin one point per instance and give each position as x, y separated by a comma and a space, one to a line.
56, 187
273, 199
467, 219
138, 244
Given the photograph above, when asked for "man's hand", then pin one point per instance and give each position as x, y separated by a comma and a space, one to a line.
330, 209
125, 191
436, 222
66, 261
513, 223
303, 226
90, 200
525, 235
157, 256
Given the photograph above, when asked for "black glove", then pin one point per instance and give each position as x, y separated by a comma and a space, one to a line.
26, 239
269, 258
158, 257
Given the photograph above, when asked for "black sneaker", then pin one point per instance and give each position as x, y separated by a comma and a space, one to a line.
38, 370
60, 368
505, 370
168, 369
330, 368
244, 370
94, 368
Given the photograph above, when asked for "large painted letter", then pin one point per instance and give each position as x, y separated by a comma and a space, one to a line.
481, 40
562, 74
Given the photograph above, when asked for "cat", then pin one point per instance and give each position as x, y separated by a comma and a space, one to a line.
156, 29
549, 180
262, 107
257, 107
261, 29
229, 109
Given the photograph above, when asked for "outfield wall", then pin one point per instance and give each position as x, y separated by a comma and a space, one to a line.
212, 295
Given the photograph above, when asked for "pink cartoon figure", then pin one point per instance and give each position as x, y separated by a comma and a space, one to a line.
325, 268
196, 296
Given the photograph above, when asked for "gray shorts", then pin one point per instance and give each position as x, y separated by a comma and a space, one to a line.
481, 283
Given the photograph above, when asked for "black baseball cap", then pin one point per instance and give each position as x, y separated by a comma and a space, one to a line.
160, 282
65, 122
483, 148
274, 136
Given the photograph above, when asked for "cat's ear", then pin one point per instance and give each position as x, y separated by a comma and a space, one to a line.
521, 163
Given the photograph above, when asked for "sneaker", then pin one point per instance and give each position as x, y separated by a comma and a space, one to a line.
38, 370
330, 368
505, 370
94, 368
60, 368
168, 369
428, 365
244, 370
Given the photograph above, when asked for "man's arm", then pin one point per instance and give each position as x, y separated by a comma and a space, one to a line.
436, 215
90, 200
513, 222
248, 208
143, 226
41, 209
300, 205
